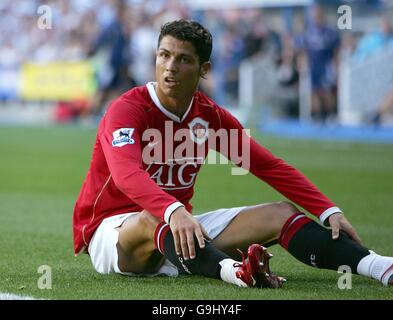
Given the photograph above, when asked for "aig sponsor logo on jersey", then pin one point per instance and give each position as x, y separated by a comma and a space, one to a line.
175, 174
199, 130
123, 136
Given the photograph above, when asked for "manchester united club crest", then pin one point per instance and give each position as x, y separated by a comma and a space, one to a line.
199, 130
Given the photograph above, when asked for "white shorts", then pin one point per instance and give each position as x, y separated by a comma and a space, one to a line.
103, 245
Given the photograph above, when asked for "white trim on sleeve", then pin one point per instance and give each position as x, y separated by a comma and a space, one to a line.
171, 209
327, 213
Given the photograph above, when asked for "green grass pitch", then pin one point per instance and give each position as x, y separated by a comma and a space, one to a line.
41, 172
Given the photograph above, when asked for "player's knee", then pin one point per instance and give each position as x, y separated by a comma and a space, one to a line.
286, 208
136, 248
284, 211
138, 229
148, 223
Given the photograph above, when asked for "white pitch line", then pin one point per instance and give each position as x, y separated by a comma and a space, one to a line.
11, 296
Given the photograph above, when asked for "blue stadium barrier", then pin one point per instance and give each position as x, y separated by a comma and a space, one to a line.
314, 131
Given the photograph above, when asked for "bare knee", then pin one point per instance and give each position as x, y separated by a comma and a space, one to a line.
283, 211
275, 214
255, 224
148, 223
136, 248
286, 209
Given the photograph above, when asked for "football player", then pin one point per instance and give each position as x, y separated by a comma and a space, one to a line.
133, 214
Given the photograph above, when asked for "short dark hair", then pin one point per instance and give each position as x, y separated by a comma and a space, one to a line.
192, 31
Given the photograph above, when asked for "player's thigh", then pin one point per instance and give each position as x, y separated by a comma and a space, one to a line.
255, 224
136, 249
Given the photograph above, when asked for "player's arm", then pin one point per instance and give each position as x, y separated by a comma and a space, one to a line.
120, 137
184, 227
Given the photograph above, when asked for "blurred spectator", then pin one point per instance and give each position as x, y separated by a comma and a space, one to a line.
143, 47
118, 38
348, 45
226, 56
385, 109
259, 38
115, 39
240, 34
320, 44
372, 42
147, 19
8, 57
288, 78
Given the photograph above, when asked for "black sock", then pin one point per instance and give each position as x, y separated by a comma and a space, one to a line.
313, 245
205, 263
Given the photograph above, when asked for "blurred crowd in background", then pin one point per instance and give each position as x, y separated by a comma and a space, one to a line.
119, 38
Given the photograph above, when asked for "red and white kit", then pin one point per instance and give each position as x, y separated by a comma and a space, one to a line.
143, 159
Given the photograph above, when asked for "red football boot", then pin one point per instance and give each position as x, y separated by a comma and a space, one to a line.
255, 272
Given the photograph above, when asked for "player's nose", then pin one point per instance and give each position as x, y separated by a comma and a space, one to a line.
171, 65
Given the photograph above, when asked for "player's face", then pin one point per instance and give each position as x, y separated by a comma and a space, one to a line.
178, 69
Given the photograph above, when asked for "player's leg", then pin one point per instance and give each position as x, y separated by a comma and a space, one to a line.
385, 108
255, 224
305, 239
144, 241
329, 102
137, 252
316, 106
213, 263
142, 234
312, 244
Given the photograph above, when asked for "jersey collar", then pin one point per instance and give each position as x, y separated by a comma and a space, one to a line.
157, 102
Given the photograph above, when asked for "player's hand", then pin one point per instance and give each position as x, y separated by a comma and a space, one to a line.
339, 222
184, 226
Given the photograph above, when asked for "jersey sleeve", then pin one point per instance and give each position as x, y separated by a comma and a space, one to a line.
284, 178
120, 137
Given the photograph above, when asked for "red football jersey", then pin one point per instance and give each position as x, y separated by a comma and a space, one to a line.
145, 157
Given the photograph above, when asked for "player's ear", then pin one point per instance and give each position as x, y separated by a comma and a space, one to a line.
205, 68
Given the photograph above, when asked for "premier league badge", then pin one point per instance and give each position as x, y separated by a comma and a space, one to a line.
123, 136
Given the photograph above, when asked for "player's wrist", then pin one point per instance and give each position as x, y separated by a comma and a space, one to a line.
170, 210
324, 217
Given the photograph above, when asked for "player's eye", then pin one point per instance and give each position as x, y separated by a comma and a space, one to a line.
185, 60
164, 54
